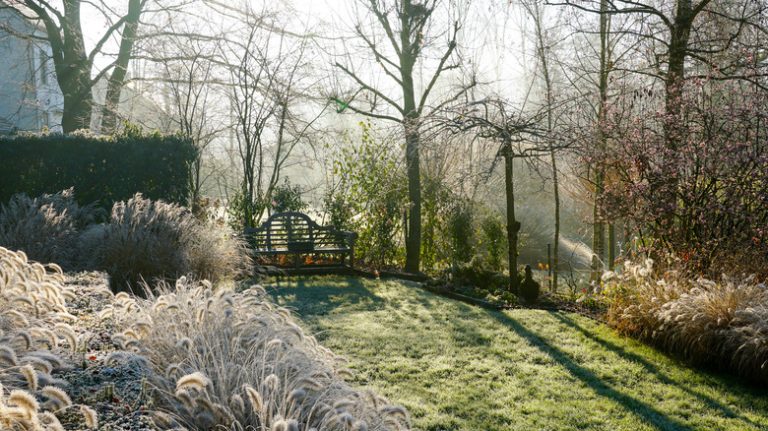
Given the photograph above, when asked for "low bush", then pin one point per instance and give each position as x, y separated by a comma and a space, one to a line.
46, 228
153, 240
234, 361
716, 323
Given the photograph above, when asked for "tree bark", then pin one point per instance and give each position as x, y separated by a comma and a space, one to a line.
542, 50
413, 240
411, 125
117, 78
78, 100
513, 226
598, 230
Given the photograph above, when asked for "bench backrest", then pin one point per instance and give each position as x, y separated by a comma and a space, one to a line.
295, 231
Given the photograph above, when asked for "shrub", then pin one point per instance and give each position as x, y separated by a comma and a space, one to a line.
461, 232
476, 275
101, 169
722, 324
371, 182
493, 241
287, 197
46, 228
226, 360
148, 240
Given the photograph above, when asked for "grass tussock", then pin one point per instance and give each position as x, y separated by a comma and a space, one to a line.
153, 240
236, 361
722, 323
47, 228
33, 327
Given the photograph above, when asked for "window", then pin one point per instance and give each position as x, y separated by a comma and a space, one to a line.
43, 67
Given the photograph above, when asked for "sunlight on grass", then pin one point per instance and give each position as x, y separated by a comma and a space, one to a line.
458, 367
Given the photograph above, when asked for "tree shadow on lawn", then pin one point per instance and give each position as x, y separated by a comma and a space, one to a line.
310, 296
711, 380
641, 409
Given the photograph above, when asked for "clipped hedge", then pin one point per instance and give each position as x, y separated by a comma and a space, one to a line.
103, 170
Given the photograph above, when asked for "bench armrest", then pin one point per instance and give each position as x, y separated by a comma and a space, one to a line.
349, 237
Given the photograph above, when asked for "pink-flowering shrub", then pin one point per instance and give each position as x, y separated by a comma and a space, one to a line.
699, 190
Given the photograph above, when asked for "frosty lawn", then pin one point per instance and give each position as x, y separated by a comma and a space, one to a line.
458, 367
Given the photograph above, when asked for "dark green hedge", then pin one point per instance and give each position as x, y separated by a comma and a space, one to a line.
101, 169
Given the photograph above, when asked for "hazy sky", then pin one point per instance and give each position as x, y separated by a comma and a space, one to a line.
492, 40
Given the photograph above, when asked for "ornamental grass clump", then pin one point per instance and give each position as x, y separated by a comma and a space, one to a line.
149, 241
33, 329
47, 227
722, 323
227, 360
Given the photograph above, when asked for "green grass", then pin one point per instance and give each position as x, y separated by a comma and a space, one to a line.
459, 367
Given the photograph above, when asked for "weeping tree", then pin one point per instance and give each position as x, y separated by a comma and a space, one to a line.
519, 136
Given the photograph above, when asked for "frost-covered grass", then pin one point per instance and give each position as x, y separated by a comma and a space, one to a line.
458, 367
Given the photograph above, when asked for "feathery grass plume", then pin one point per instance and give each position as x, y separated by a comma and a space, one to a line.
90, 416
67, 333
58, 398
105, 313
25, 338
45, 336
50, 421
30, 375
19, 319
254, 396
47, 356
38, 364
196, 380
257, 378
272, 382
153, 240
297, 395
719, 323
25, 401
47, 228
8, 356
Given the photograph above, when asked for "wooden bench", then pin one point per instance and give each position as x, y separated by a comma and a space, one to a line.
295, 234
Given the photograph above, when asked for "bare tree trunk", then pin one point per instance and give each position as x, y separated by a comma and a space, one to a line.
413, 240
513, 226
117, 78
541, 48
598, 231
78, 100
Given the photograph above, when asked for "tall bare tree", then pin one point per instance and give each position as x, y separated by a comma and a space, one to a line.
398, 48
265, 91
543, 46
